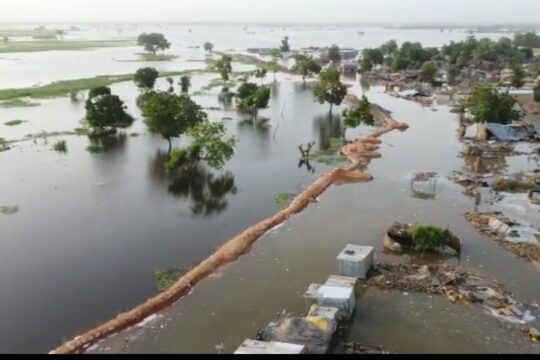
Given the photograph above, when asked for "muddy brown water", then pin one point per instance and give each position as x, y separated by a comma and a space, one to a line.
92, 228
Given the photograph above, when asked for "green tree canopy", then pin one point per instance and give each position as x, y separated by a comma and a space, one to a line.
224, 67
528, 39
305, 66
153, 42
330, 89
145, 78
361, 114
185, 83
518, 76
486, 104
260, 73
428, 72
208, 47
104, 110
171, 115
208, 143
334, 54
285, 47
251, 98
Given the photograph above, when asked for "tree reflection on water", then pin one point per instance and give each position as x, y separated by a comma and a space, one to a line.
206, 190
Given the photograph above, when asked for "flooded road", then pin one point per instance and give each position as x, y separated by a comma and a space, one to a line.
92, 228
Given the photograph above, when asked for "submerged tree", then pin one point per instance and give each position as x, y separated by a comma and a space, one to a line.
285, 47
170, 115
273, 65
145, 78
185, 83
224, 67
170, 80
251, 98
361, 114
208, 143
260, 74
330, 89
334, 54
208, 47
153, 42
105, 111
305, 66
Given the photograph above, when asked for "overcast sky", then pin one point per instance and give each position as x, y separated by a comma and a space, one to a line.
328, 11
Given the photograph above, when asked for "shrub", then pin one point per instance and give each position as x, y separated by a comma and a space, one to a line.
427, 237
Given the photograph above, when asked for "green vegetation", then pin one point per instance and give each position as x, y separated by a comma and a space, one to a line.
273, 65
537, 92
18, 103
428, 238
60, 146
529, 39
334, 54
260, 74
166, 278
224, 67
361, 114
11, 33
428, 72
285, 47
105, 111
185, 83
208, 143
153, 42
96, 147
486, 104
170, 115
64, 88
283, 200
306, 66
208, 47
58, 45
252, 98
145, 78
14, 122
518, 76
330, 89
8, 210
331, 155
157, 57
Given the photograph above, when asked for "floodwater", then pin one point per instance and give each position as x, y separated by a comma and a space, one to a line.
92, 228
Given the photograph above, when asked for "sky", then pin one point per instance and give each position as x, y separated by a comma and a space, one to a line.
268, 11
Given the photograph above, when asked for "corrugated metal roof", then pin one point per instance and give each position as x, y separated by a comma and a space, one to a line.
503, 132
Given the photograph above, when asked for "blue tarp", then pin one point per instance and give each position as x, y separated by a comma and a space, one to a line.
503, 132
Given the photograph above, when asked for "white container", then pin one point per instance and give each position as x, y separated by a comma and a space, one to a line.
356, 261
252, 347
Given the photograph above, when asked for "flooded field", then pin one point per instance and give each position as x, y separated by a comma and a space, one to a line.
91, 228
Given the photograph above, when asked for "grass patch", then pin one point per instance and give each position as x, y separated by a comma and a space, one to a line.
18, 103
8, 210
166, 278
59, 45
60, 146
26, 32
283, 200
153, 58
14, 122
64, 88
